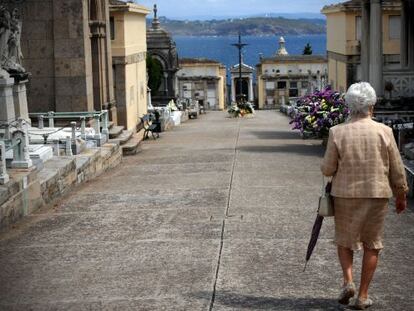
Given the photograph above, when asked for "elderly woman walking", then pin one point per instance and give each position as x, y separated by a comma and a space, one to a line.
367, 170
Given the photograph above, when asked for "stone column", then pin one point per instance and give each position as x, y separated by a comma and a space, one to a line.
410, 34
376, 54
404, 35
149, 103
109, 76
7, 112
233, 89
309, 82
318, 80
20, 100
4, 177
251, 95
20, 139
365, 24
205, 99
166, 83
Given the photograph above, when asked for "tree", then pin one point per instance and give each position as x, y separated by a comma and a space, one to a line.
307, 50
154, 68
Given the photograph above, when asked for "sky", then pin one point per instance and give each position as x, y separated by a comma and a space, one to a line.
191, 9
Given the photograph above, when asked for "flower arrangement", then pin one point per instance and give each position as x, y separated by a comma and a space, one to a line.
240, 109
316, 113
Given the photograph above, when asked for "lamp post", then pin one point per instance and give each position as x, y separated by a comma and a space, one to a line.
240, 47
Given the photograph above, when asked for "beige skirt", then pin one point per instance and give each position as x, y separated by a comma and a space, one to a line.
360, 222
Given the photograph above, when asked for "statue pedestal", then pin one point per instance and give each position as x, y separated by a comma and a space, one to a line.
20, 100
7, 112
20, 140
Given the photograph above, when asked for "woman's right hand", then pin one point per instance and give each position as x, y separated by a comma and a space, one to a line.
400, 203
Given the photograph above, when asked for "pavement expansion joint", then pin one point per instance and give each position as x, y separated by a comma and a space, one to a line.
213, 296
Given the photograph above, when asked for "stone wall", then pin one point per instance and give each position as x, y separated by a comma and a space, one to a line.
57, 48
19, 197
72, 53
38, 51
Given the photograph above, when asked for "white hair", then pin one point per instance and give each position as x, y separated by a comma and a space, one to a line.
359, 97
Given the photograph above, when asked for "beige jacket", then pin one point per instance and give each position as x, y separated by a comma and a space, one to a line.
364, 160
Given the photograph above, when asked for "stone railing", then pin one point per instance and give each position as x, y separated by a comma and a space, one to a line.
402, 81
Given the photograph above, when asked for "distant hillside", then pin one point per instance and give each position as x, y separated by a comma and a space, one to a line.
297, 15
247, 26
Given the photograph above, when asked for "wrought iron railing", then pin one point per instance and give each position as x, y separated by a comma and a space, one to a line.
100, 118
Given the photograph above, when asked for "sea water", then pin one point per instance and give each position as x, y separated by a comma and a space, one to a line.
220, 48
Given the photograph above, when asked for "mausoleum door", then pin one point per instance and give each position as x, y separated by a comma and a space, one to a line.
211, 99
245, 87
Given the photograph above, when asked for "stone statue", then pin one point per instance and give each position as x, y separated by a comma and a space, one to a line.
4, 38
10, 50
15, 51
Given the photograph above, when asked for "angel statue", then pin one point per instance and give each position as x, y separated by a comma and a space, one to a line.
10, 50
4, 38
15, 51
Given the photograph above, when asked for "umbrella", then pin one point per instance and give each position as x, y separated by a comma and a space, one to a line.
314, 238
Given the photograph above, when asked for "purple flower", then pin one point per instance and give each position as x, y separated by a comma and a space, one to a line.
319, 106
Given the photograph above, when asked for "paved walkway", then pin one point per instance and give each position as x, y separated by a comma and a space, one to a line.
216, 215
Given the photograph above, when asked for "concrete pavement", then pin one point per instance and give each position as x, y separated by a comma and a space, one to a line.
215, 215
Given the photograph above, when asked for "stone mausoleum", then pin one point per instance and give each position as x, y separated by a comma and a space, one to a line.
162, 48
247, 89
129, 50
203, 80
283, 77
66, 47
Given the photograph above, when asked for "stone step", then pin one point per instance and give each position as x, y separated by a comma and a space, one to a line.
131, 147
115, 131
111, 124
123, 138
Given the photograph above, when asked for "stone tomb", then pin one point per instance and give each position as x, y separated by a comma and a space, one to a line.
38, 155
